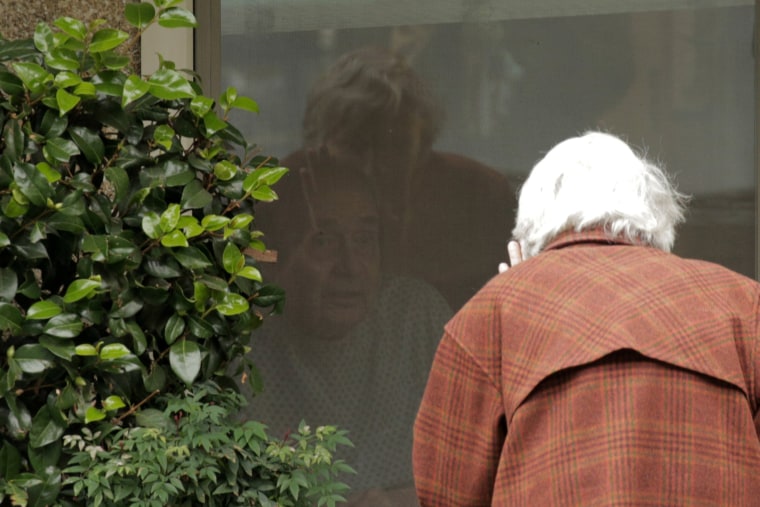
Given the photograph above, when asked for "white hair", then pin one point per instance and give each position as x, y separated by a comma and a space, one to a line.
597, 181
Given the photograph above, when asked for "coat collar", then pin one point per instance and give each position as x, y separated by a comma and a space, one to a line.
597, 235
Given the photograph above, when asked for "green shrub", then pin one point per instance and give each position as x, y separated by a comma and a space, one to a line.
127, 246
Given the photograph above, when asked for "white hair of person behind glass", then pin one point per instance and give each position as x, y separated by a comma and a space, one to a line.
597, 181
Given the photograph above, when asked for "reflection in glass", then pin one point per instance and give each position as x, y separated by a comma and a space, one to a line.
355, 344
487, 99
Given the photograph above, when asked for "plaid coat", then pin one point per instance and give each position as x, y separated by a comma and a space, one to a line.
596, 373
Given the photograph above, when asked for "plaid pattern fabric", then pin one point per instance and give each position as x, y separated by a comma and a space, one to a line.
597, 373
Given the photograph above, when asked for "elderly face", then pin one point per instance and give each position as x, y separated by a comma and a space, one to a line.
333, 274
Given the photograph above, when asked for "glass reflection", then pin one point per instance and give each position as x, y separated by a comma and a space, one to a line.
354, 345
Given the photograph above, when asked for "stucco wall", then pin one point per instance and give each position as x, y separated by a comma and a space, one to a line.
18, 18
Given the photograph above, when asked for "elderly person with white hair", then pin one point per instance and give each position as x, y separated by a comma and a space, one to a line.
601, 370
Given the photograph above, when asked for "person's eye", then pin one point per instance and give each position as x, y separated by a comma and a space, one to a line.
322, 240
365, 239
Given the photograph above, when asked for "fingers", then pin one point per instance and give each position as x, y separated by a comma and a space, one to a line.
514, 252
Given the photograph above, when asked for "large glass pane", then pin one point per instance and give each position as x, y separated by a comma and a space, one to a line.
406, 159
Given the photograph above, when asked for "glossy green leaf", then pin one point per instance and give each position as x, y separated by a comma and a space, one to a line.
185, 360
66, 101
240, 221
200, 105
174, 328
113, 402
191, 258
107, 38
110, 83
93, 414
43, 37
269, 295
193, 230
62, 59
119, 180
110, 249
33, 358
33, 76
52, 124
250, 272
155, 380
4, 240
127, 309
264, 194
139, 341
30, 250
172, 173
10, 461
10, 318
213, 123
228, 97
201, 295
45, 458
139, 15
32, 183
85, 89
114, 351
89, 142
21, 49
67, 79
48, 172
246, 104
164, 136
60, 222
8, 284
114, 61
174, 239
58, 149
200, 328
162, 269
170, 218
214, 222
65, 325
60, 347
45, 429
263, 176
80, 289
153, 418
43, 310
14, 140
73, 27
194, 196
232, 258
134, 88
151, 225
86, 350
19, 419
176, 17
225, 170
232, 304
10, 84
168, 84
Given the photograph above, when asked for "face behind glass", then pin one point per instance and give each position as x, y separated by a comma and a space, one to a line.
332, 276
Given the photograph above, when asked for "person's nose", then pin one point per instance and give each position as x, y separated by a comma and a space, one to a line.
349, 260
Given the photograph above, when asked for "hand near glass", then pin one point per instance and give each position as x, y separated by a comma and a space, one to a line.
514, 253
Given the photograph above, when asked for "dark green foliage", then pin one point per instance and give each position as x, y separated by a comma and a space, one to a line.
126, 233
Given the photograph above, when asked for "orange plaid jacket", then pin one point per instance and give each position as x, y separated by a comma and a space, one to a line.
596, 373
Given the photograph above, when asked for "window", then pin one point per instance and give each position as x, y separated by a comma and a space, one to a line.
500, 82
